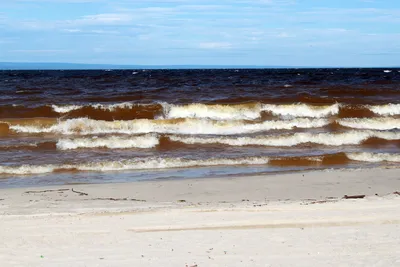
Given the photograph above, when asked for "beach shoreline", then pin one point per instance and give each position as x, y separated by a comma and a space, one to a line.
278, 186
236, 221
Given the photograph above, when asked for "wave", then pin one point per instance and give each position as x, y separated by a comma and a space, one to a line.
133, 164
302, 110
109, 107
328, 139
389, 109
249, 111
167, 163
374, 157
85, 126
384, 123
170, 142
109, 112
36, 122
246, 111
316, 161
27, 169
214, 112
112, 142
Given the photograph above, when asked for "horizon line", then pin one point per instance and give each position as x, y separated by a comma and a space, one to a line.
99, 66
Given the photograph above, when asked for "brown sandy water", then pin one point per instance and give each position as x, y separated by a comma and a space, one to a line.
184, 123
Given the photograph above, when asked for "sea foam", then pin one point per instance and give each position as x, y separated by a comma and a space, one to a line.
328, 139
85, 126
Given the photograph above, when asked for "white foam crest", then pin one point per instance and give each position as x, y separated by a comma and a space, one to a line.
65, 109
166, 163
113, 107
385, 123
214, 112
27, 169
374, 157
328, 139
109, 107
302, 110
134, 164
112, 142
86, 126
247, 112
388, 109
30, 129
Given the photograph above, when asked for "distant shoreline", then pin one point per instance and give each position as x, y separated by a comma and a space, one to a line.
81, 66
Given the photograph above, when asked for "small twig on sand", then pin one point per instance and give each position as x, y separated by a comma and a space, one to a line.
396, 193
80, 193
111, 198
46, 191
353, 197
118, 199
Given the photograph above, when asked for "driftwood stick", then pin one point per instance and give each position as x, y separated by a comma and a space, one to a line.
46, 191
111, 198
118, 199
80, 193
353, 197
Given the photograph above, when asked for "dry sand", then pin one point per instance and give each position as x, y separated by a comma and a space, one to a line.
298, 219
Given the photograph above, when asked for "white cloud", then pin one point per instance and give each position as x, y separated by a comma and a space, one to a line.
106, 18
72, 30
144, 27
215, 45
284, 35
40, 51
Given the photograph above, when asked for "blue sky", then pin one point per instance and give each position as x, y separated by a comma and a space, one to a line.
202, 32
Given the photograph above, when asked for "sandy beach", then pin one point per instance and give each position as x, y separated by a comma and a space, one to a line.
296, 219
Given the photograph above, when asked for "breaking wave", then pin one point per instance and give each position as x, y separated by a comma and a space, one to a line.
214, 112
170, 142
249, 111
374, 157
389, 109
167, 163
27, 169
133, 164
109, 107
85, 126
246, 111
384, 123
328, 139
112, 142
302, 110
218, 111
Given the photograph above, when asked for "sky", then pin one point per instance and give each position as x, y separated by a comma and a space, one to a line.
343, 33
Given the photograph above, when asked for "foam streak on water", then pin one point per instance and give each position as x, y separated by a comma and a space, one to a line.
85, 126
168, 163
